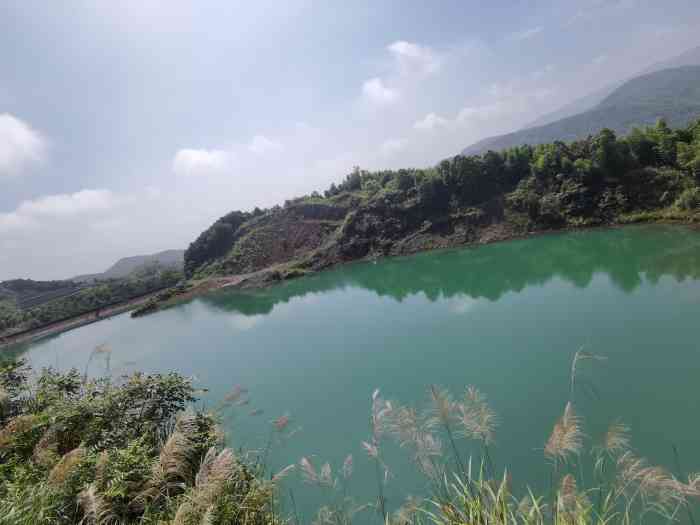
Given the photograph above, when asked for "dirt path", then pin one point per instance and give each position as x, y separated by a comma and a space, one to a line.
106, 312
74, 322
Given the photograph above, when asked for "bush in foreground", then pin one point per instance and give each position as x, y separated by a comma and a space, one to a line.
100, 452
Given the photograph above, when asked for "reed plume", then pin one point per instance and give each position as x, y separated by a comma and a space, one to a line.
692, 488
96, 509
371, 449
476, 417
381, 411
654, 485
617, 439
215, 470
278, 428
177, 461
570, 501
60, 472
46, 450
308, 471
15, 427
347, 467
172, 470
566, 438
442, 409
281, 422
283, 473
580, 355
413, 431
406, 425
380, 417
325, 476
406, 514
440, 414
233, 396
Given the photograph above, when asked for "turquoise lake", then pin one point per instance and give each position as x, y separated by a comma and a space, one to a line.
506, 318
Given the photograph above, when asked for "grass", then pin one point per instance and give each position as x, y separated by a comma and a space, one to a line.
671, 214
103, 451
623, 489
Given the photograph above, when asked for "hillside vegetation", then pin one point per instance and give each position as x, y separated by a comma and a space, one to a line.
671, 93
26, 304
651, 174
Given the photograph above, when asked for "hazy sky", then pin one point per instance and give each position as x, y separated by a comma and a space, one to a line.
128, 127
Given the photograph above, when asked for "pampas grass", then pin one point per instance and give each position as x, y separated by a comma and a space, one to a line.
441, 414
96, 508
617, 439
566, 439
60, 472
476, 417
184, 477
16, 427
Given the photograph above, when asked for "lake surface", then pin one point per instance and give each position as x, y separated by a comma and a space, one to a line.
506, 318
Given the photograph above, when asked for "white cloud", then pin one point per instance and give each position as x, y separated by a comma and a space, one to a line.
242, 323
462, 304
261, 145
20, 146
599, 60
12, 221
431, 121
414, 57
53, 207
68, 203
375, 91
526, 34
392, 146
200, 162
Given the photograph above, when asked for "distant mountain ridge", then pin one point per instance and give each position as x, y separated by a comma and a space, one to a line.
27, 304
128, 265
687, 58
673, 94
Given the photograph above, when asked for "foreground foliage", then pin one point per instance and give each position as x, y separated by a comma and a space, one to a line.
100, 452
74, 450
619, 487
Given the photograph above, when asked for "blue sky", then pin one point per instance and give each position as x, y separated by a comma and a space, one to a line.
128, 127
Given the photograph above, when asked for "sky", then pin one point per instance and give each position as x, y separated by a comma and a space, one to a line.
129, 127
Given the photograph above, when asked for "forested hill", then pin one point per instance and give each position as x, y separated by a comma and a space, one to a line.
673, 94
128, 265
651, 174
27, 304
691, 57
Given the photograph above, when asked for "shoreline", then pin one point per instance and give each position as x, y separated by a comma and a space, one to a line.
77, 321
271, 275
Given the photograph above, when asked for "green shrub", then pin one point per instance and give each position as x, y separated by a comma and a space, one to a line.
689, 200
